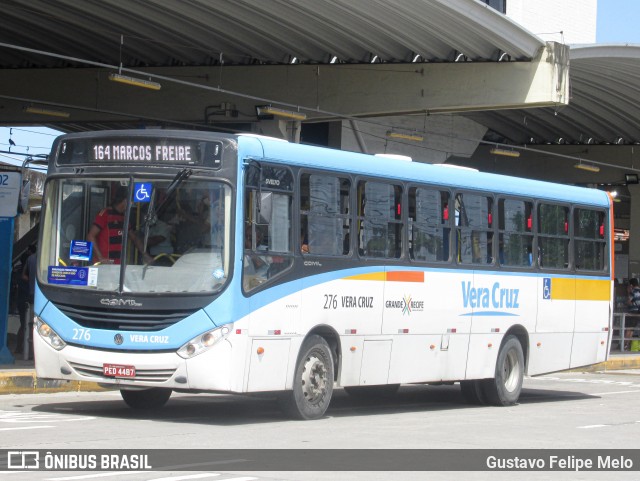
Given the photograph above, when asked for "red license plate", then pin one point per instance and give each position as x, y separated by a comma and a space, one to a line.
117, 370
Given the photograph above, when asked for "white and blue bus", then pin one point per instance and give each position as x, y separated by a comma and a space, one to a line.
245, 264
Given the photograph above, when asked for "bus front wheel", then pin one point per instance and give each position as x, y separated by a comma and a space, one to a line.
147, 398
504, 389
312, 382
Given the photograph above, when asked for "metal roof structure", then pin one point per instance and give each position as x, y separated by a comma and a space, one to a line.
604, 105
205, 33
245, 32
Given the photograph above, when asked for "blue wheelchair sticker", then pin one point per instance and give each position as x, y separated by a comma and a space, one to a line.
546, 288
142, 192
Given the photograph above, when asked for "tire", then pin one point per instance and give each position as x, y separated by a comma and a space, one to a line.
153, 398
473, 392
504, 389
372, 392
312, 382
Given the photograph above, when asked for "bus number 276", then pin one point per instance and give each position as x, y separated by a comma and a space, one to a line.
82, 334
330, 301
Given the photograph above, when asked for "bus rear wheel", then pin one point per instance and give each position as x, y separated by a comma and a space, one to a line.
505, 388
312, 382
147, 398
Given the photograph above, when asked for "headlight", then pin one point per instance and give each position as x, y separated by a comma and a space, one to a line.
48, 334
202, 342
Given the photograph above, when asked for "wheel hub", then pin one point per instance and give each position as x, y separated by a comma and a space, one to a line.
314, 379
511, 371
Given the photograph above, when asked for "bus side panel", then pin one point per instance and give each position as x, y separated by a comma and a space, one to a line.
550, 348
501, 302
269, 360
592, 320
417, 358
271, 328
351, 365
430, 338
447, 290
353, 307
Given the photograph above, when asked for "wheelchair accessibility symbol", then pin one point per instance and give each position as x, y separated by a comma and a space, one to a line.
142, 192
546, 288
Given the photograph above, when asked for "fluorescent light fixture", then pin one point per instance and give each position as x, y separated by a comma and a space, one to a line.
265, 110
587, 167
42, 111
136, 82
412, 137
630, 179
506, 153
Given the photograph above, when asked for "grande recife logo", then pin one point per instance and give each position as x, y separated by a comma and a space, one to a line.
490, 301
407, 305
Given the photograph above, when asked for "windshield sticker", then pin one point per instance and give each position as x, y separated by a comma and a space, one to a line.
80, 250
142, 192
74, 276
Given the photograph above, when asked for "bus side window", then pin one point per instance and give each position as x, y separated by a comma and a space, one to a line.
324, 214
590, 242
553, 236
379, 220
515, 237
474, 232
428, 228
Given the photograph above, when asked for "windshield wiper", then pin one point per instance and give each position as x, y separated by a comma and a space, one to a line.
152, 213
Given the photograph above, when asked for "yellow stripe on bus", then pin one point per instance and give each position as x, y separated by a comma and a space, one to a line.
580, 289
373, 276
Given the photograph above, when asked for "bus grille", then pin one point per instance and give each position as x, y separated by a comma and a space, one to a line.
147, 375
123, 320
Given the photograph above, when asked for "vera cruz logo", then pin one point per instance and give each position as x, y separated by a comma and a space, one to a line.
489, 301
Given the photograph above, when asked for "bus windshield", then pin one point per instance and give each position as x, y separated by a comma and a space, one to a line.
137, 235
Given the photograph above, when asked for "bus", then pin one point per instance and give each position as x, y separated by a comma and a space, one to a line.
202, 262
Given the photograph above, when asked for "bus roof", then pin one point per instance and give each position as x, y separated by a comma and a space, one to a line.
389, 168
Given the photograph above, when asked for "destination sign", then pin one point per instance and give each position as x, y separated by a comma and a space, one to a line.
144, 153
140, 150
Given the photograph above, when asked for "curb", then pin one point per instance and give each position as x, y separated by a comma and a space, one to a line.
616, 364
27, 383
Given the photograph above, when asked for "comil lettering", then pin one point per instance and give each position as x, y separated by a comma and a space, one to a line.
495, 297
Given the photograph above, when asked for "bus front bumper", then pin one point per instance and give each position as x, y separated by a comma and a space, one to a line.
207, 371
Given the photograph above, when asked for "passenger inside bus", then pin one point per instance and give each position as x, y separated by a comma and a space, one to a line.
161, 238
106, 233
194, 225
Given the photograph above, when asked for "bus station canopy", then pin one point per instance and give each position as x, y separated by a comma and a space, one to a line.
343, 58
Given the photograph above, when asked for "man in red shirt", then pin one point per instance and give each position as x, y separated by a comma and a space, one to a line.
107, 231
